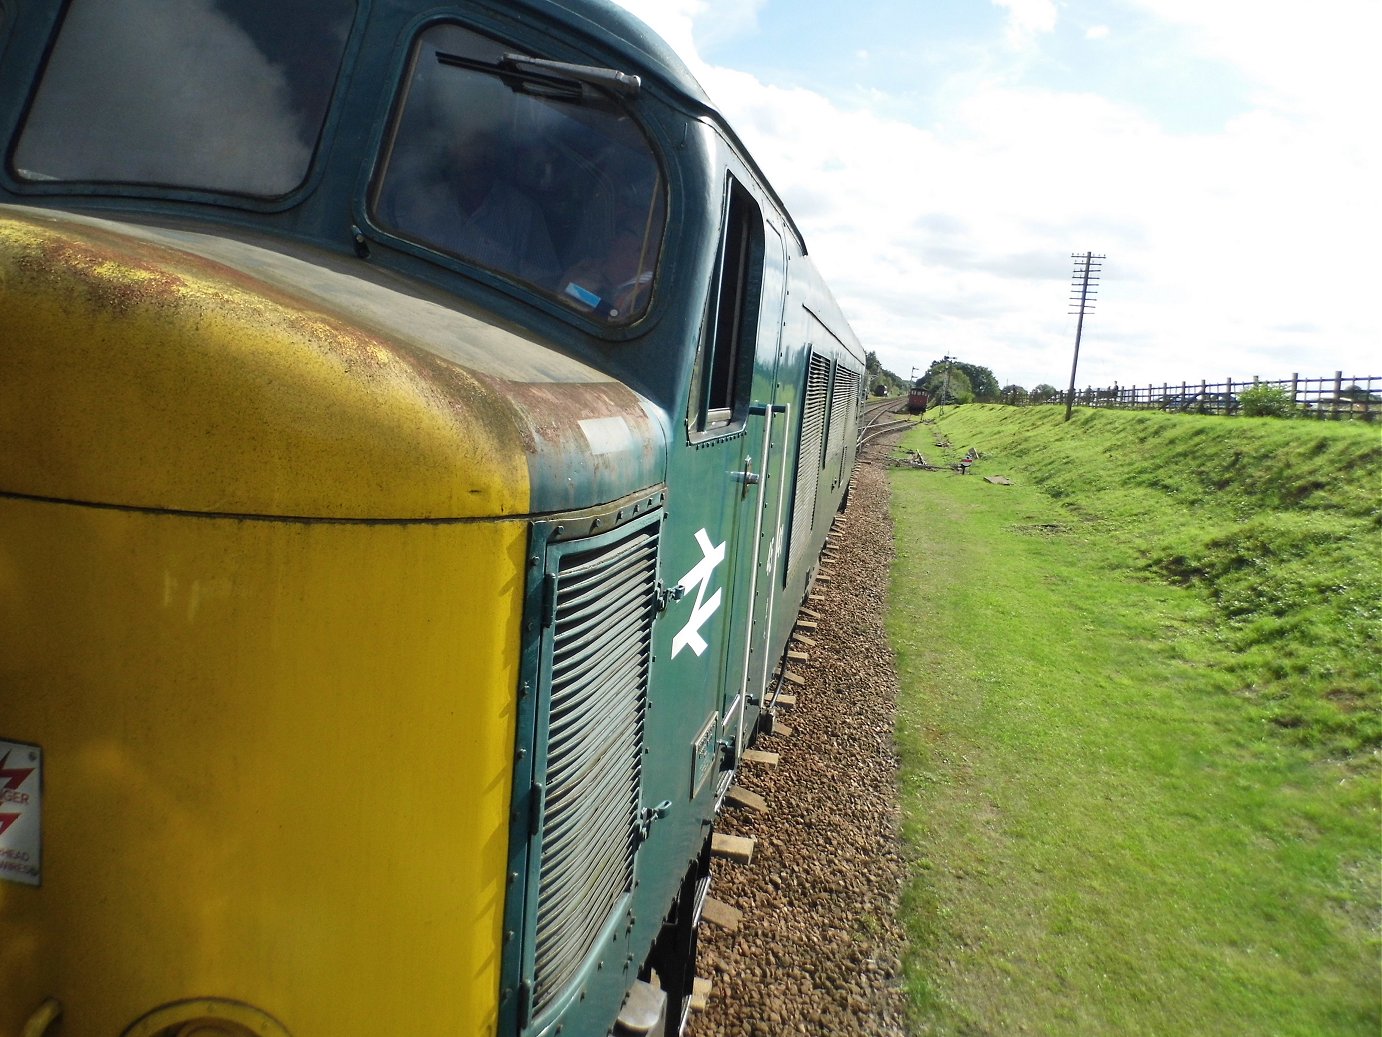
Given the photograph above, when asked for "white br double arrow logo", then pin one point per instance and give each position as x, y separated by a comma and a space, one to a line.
699, 578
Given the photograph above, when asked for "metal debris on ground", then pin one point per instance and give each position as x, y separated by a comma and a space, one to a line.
915, 460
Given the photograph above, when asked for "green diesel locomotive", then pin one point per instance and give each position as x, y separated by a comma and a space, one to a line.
420, 425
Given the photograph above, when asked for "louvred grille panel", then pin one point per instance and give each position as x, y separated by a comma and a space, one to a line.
601, 644
809, 458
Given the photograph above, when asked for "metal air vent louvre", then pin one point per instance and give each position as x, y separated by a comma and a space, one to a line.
848, 386
841, 391
601, 645
809, 458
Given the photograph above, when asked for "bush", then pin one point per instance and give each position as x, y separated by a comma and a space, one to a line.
1266, 401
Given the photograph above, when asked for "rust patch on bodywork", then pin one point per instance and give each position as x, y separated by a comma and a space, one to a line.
139, 374
120, 273
556, 410
596, 443
109, 280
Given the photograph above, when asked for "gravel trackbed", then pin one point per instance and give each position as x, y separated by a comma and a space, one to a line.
818, 950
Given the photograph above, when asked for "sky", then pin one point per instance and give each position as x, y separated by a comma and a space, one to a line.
945, 159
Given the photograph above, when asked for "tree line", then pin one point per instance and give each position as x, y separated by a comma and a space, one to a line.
950, 381
954, 381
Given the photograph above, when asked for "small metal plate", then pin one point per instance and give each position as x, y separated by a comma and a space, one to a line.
703, 754
21, 812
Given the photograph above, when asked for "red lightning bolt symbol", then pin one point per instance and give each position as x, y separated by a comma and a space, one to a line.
12, 777
6, 820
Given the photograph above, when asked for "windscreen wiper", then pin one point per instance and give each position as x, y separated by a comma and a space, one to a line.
558, 80
616, 82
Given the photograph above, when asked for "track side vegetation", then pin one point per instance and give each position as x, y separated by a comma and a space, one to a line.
1139, 722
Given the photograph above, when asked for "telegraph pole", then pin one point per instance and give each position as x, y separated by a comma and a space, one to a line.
1084, 284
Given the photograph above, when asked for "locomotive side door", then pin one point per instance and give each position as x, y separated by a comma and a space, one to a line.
760, 485
770, 422
729, 418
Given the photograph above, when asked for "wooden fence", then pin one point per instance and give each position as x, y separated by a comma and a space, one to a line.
1336, 398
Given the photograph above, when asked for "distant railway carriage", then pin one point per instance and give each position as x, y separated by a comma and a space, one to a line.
917, 398
421, 424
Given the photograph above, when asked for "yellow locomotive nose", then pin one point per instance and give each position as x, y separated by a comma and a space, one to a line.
260, 629
139, 375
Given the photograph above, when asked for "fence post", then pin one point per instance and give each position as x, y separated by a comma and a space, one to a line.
1338, 391
1295, 387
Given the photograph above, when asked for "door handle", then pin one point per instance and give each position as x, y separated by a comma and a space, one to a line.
748, 477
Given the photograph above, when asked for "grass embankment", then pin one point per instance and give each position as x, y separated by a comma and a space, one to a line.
1139, 725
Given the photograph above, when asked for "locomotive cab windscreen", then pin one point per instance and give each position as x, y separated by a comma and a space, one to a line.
208, 101
532, 170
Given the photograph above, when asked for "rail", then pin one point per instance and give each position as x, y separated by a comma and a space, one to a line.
877, 424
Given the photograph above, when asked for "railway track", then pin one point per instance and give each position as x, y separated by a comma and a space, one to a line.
879, 418
801, 934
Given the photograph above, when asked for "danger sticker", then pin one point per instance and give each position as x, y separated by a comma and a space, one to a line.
21, 811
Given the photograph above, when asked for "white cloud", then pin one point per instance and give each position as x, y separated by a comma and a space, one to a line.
1027, 18
1312, 60
687, 24
1230, 254
719, 20
1097, 32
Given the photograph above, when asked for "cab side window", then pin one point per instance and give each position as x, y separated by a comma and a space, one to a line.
721, 395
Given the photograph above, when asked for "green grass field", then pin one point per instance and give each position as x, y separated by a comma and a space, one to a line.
1140, 722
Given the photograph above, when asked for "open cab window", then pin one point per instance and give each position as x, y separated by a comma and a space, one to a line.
535, 170
720, 393
225, 98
